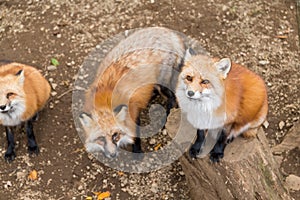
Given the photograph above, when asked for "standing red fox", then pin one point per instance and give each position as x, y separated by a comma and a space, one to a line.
132, 69
219, 94
23, 92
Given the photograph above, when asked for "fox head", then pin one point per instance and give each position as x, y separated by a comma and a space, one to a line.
202, 79
107, 130
12, 96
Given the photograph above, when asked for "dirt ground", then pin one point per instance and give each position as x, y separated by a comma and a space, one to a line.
262, 35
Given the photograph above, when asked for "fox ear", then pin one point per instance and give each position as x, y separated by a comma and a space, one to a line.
223, 66
85, 120
20, 76
121, 112
189, 53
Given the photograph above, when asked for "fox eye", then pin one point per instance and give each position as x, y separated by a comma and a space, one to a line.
9, 94
189, 78
101, 138
205, 81
115, 137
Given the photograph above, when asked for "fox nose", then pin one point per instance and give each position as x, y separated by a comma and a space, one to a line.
2, 107
190, 93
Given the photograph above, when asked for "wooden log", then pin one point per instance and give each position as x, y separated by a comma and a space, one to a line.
247, 171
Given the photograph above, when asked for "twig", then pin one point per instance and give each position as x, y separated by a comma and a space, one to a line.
66, 92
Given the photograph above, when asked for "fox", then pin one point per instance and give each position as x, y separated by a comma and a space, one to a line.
144, 63
217, 94
23, 93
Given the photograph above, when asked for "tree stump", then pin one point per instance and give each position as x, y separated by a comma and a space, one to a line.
247, 171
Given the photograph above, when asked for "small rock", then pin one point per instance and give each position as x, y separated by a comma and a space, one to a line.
7, 185
181, 173
164, 132
80, 188
281, 125
53, 93
263, 62
266, 124
51, 68
293, 182
152, 141
53, 85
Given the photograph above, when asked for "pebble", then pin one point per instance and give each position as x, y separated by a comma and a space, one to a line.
281, 125
53, 93
51, 68
293, 182
263, 62
164, 132
266, 124
7, 185
152, 141
53, 85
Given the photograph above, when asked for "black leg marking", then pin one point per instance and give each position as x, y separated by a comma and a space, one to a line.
171, 102
32, 145
217, 153
137, 147
196, 147
10, 152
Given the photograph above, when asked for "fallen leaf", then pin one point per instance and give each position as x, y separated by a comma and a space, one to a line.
54, 62
120, 173
33, 175
281, 36
89, 198
157, 147
102, 195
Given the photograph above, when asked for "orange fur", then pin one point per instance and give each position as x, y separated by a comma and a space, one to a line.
35, 88
233, 97
246, 99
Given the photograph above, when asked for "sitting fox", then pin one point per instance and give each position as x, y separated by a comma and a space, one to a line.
219, 94
23, 92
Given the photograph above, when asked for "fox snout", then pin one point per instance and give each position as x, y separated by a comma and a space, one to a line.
190, 93
193, 94
110, 150
5, 108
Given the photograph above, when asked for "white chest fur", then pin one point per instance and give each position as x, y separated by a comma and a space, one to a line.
201, 114
13, 117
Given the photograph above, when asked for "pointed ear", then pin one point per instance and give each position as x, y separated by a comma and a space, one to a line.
223, 67
20, 76
121, 112
86, 120
189, 53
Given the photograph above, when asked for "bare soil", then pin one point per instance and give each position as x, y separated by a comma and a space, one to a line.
262, 35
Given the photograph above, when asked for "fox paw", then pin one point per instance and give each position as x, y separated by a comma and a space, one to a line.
194, 150
9, 156
229, 140
216, 156
33, 150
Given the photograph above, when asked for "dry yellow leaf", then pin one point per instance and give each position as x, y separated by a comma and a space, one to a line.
33, 175
89, 198
157, 147
120, 173
102, 195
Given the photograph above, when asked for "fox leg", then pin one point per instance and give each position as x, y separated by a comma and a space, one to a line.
217, 152
171, 99
10, 152
196, 147
136, 146
32, 145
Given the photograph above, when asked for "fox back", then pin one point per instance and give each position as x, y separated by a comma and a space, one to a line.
23, 92
217, 93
